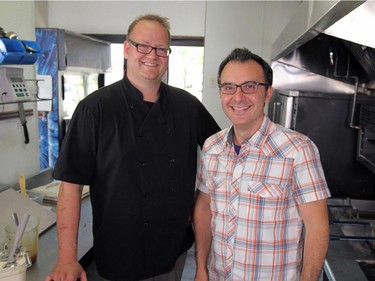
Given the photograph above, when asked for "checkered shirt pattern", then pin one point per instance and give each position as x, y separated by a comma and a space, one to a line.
257, 229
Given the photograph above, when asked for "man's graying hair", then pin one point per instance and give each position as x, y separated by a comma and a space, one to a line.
244, 55
164, 21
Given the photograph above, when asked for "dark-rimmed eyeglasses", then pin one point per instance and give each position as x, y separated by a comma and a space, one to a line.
248, 87
146, 49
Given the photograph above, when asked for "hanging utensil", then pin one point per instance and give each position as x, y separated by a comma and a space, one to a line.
21, 111
17, 239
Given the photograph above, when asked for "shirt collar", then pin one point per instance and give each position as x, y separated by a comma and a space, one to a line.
135, 93
259, 137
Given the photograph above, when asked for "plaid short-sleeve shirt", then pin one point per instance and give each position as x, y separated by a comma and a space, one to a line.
256, 226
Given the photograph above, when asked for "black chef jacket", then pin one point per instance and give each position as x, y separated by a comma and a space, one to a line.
140, 164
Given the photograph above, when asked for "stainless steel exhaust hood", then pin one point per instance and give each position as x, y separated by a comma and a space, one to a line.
355, 26
311, 19
325, 56
328, 47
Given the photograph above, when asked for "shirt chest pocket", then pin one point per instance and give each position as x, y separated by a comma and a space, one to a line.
266, 190
272, 172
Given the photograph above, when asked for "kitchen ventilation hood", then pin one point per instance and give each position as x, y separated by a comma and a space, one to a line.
328, 48
317, 52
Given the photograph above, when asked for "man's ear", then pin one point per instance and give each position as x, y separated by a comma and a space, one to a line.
269, 94
126, 49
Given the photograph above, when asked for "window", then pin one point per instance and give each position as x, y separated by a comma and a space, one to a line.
186, 69
76, 87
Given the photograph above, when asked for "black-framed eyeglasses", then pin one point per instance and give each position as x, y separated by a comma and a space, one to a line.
146, 49
248, 87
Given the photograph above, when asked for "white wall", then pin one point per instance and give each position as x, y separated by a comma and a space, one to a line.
224, 24
15, 155
113, 17
229, 25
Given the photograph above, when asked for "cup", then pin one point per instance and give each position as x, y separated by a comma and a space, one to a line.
29, 239
16, 272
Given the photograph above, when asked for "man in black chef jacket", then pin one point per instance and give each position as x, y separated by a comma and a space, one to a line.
135, 144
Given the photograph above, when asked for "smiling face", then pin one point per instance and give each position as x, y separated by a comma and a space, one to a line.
146, 68
245, 111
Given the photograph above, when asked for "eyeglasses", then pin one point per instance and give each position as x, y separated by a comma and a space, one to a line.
146, 49
247, 87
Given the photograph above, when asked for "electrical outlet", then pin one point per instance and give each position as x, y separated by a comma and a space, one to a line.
212, 82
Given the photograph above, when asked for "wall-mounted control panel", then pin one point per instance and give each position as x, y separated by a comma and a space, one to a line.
13, 87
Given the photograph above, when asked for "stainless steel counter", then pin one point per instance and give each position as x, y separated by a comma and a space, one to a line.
48, 246
342, 262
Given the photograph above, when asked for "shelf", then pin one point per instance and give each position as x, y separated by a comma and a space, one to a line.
14, 114
24, 101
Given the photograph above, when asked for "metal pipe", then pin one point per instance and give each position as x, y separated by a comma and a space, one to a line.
14, 114
351, 238
356, 79
354, 103
364, 223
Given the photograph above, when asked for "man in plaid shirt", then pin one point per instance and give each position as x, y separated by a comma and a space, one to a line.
261, 213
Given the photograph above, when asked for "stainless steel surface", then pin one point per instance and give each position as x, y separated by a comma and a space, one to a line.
353, 222
317, 53
351, 27
289, 77
312, 18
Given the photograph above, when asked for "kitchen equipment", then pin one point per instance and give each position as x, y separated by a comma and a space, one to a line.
328, 77
13, 89
13, 35
79, 57
18, 271
13, 86
17, 239
351, 254
324, 117
21, 112
30, 239
15, 51
366, 140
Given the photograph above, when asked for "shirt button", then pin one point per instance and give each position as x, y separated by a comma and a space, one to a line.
169, 131
143, 164
172, 160
131, 106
